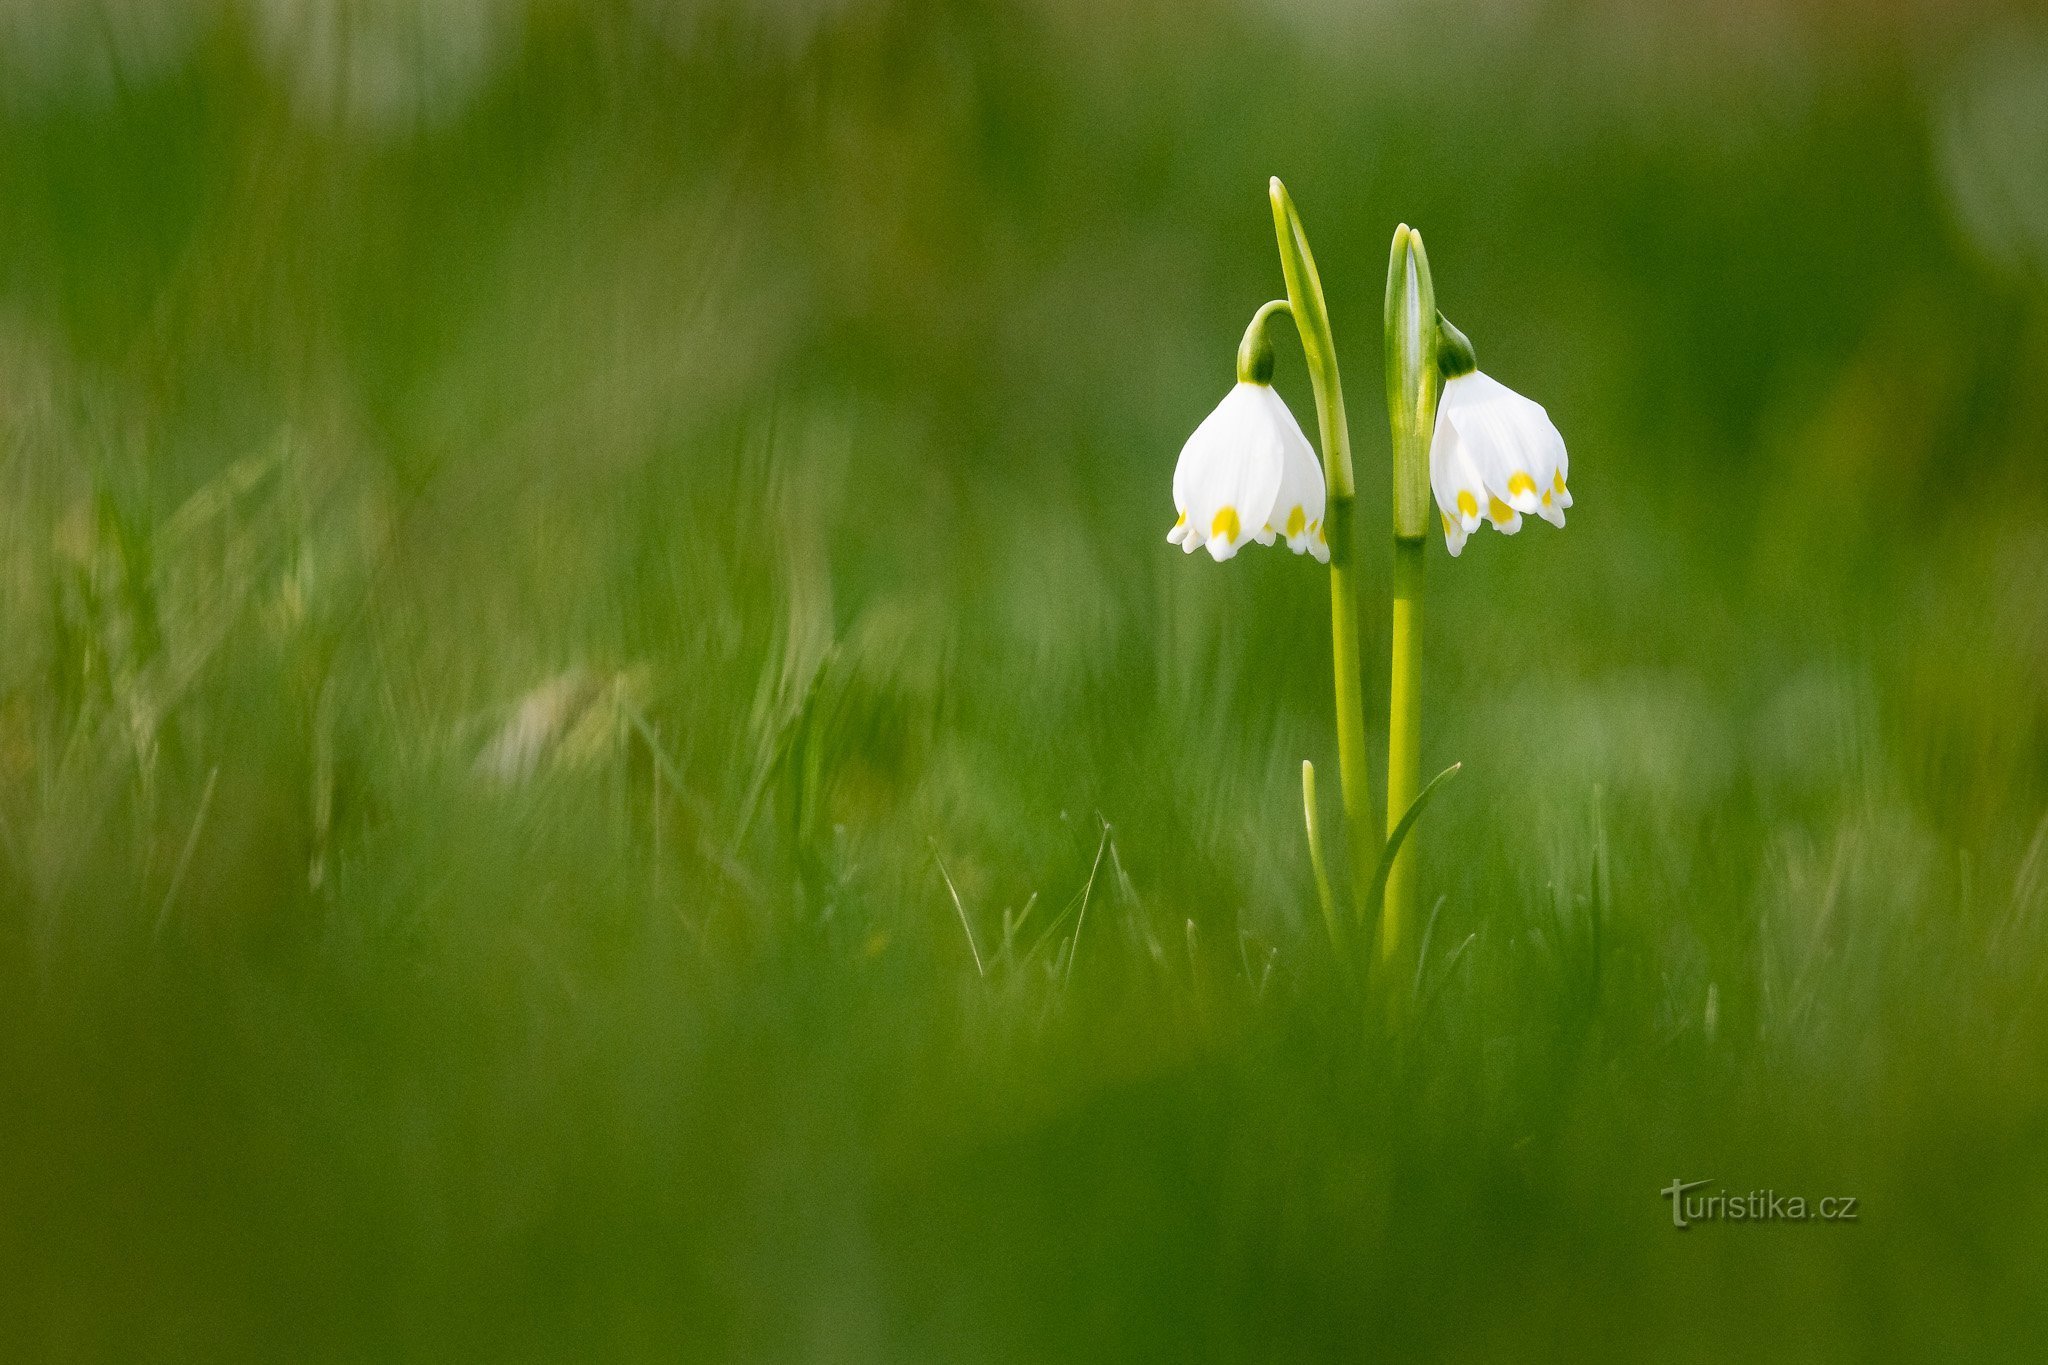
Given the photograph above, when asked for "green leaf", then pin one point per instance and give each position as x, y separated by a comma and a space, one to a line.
1339, 939
1400, 833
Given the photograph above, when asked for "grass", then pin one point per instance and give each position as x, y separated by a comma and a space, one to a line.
601, 755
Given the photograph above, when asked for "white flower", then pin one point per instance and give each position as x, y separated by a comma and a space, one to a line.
1497, 453
1248, 473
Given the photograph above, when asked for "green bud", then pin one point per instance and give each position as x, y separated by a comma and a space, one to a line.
1454, 354
1411, 335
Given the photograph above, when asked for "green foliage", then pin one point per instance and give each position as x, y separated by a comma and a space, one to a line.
1398, 836
601, 756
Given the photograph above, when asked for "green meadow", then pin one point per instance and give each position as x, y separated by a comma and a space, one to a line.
602, 756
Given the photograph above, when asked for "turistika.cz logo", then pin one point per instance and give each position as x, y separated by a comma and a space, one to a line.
1756, 1206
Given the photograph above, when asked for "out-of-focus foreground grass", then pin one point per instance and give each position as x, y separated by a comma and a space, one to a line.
529, 536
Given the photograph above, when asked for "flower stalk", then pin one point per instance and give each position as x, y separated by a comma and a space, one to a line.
1255, 352
1412, 389
1312, 320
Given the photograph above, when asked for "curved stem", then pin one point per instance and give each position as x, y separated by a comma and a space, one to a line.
1312, 320
1255, 352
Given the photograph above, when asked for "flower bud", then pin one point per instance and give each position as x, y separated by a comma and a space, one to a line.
1411, 334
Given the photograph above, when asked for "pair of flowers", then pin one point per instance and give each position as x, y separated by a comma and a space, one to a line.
1248, 472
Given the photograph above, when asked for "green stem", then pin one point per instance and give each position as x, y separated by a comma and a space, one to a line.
1255, 352
1404, 741
1354, 777
1412, 388
1312, 320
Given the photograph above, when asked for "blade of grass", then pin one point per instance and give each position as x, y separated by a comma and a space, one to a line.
1082, 918
954, 892
163, 914
1310, 817
1422, 949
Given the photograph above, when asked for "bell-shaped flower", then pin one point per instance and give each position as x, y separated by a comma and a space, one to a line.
1494, 454
1248, 473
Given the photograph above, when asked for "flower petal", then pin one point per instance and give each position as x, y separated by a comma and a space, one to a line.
1454, 480
1230, 470
1298, 502
1511, 439
1454, 533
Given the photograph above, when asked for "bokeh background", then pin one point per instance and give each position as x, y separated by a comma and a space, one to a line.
554, 557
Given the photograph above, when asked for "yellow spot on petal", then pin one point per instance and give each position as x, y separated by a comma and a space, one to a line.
1557, 481
1468, 506
1182, 522
1447, 524
1520, 484
1546, 497
1295, 521
1498, 510
1226, 524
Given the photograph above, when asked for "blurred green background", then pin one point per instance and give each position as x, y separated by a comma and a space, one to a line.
536, 539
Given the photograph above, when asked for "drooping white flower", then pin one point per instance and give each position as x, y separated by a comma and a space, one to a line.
1494, 454
1248, 473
